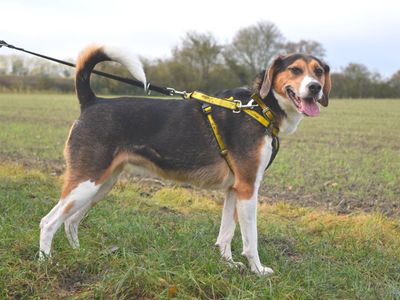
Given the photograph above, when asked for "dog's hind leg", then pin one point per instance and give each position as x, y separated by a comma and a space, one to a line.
74, 200
81, 191
71, 224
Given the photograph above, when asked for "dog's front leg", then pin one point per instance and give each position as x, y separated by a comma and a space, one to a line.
247, 214
228, 226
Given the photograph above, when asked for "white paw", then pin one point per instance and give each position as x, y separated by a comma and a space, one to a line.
263, 271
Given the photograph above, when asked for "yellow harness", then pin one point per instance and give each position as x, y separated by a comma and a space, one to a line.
266, 119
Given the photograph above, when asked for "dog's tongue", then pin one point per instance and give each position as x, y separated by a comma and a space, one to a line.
309, 108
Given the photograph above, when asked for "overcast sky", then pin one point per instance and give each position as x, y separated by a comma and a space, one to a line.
366, 32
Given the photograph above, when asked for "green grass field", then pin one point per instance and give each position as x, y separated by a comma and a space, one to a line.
328, 224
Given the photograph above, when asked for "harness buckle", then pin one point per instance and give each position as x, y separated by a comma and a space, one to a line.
206, 108
264, 112
239, 106
271, 129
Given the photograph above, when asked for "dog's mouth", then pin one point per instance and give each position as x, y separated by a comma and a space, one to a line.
307, 106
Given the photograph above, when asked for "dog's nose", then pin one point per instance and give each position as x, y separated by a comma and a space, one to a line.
314, 88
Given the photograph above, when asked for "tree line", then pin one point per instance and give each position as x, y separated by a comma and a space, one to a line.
201, 62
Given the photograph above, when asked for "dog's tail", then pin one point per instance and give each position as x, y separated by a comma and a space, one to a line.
93, 55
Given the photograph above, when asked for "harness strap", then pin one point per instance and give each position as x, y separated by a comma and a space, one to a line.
274, 131
222, 102
266, 111
207, 109
264, 119
223, 150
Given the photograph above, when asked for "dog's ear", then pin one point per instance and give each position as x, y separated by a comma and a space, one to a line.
268, 77
327, 86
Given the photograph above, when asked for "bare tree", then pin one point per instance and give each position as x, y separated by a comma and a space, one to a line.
254, 46
199, 50
305, 46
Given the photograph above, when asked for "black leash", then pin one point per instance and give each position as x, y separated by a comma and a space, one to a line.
149, 87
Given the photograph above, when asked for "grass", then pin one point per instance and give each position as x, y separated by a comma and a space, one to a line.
148, 241
347, 159
141, 245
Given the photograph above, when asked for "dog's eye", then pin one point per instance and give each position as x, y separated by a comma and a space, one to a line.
319, 72
296, 71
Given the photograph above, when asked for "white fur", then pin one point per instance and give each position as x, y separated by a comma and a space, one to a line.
293, 117
228, 226
303, 92
304, 89
264, 160
128, 60
71, 224
78, 197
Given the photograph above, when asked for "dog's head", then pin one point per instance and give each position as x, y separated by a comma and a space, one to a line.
298, 82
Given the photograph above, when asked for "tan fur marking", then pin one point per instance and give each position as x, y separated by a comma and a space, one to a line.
71, 177
206, 176
117, 163
85, 55
312, 66
66, 147
69, 185
68, 207
244, 190
246, 173
216, 174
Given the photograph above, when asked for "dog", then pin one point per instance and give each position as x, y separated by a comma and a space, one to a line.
173, 140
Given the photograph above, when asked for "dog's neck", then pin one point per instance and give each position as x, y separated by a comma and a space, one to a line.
287, 117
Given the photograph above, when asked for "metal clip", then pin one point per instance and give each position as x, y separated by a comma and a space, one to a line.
173, 92
250, 104
240, 105
147, 89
